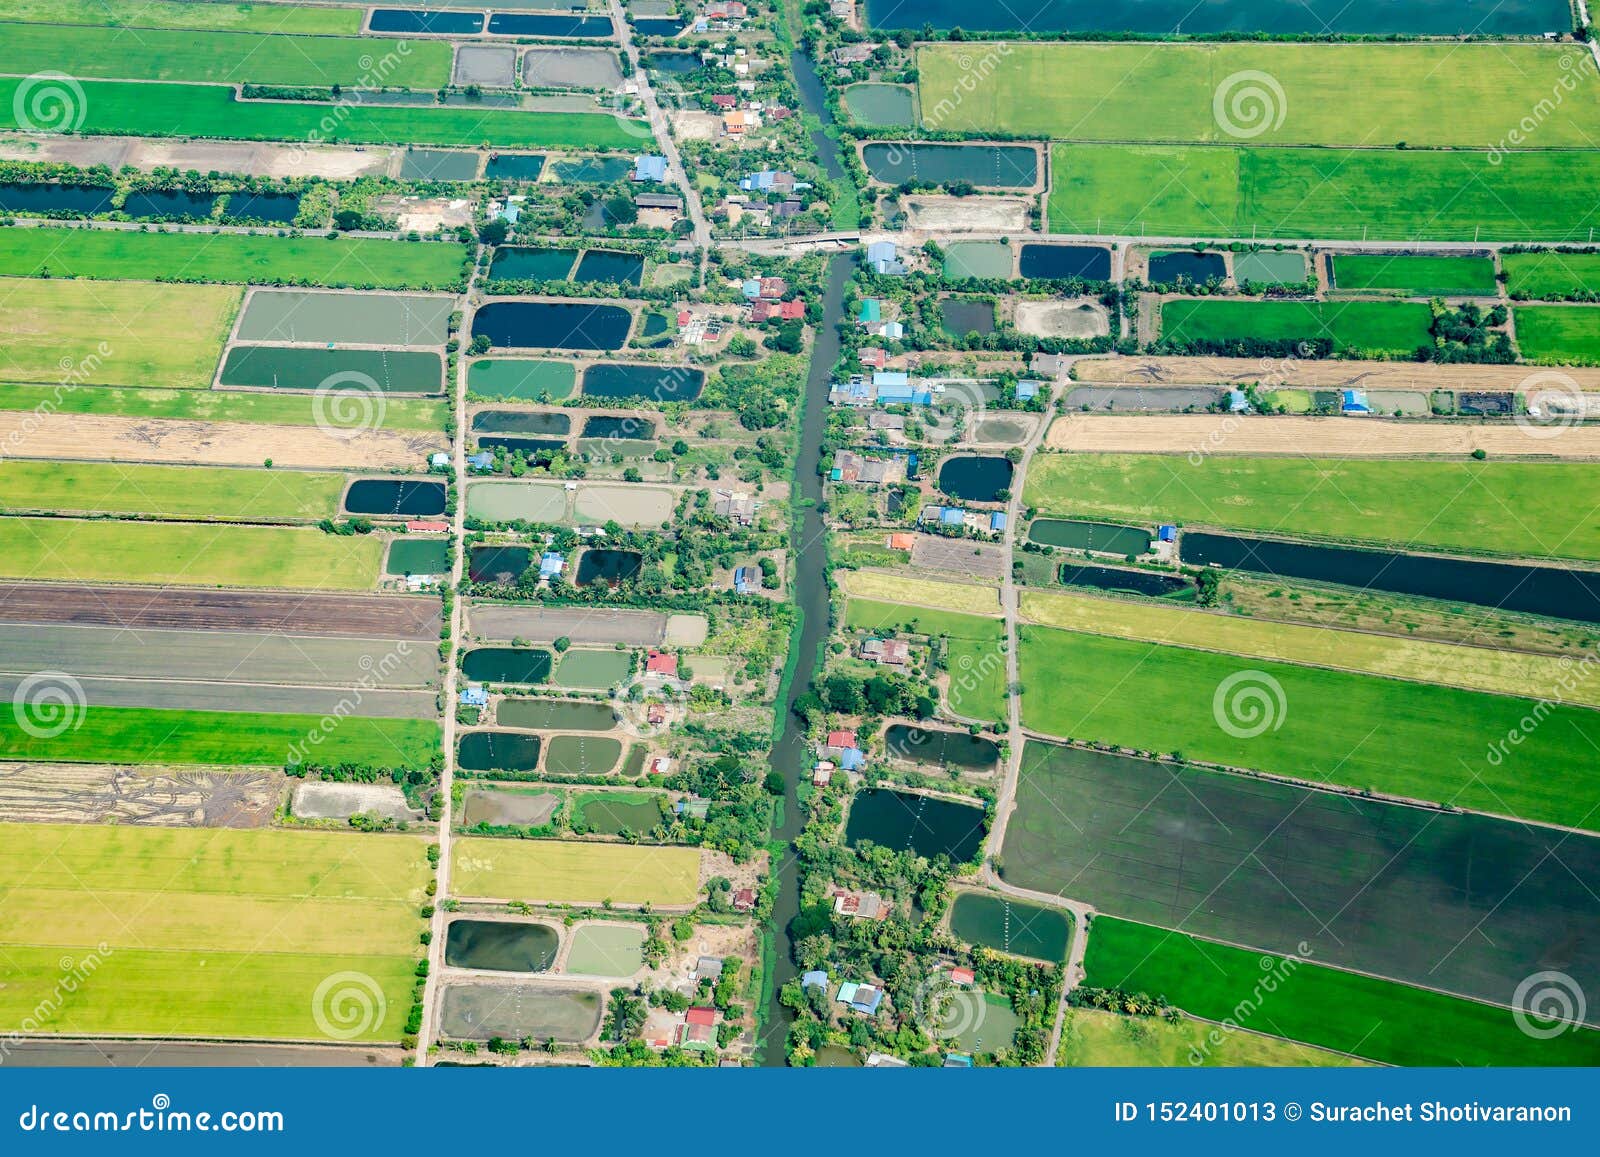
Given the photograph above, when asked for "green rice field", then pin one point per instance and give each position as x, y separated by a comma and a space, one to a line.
1551, 274
118, 108
976, 658
210, 932
1318, 94
168, 491
73, 550
1372, 1018
131, 333
1378, 327
122, 255
1359, 194
229, 57
1449, 505
281, 18
399, 413
1569, 334
1415, 275
1400, 738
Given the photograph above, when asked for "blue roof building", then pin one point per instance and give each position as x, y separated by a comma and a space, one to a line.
1355, 402
474, 695
957, 1061
482, 460
861, 997
814, 979
891, 378
871, 310
439, 459
884, 259
650, 168
747, 579
852, 759
751, 289
1027, 391
951, 516
1167, 533
551, 564
1237, 402
997, 520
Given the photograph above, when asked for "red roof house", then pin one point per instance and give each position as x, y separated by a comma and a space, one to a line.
792, 310
962, 976
725, 100
774, 287
763, 311
661, 663
701, 1016
874, 356
744, 899
841, 739
427, 527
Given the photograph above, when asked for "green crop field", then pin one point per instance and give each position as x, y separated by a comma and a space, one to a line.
130, 333
399, 413
1355, 194
122, 255
185, 14
73, 550
155, 735
1415, 275
1094, 1039
977, 650
1356, 731
1515, 508
191, 110
223, 57
1373, 1018
168, 491
1376, 327
1315, 94
1568, 334
1551, 274
209, 932
570, 872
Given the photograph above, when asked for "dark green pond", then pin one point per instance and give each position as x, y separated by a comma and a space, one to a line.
647, 383
430, 22
1009, 926
291, 368
498, 564
607, 426
541, 24
508, 665
1101, 537
555, 715
521, 422
613, 815
1135, 582
273, 208
593, 170
438, 165
528, 446
608, 566
944, 748
975, 479
996, 166
514, 167
418, 556
917, 823
498, 751
43, 199
582, 754
170, 204
553, 325
501, 946
1177, 265
393, 498
676, 63
658, 26
610, 265
1051, 262
530, 263
960, 316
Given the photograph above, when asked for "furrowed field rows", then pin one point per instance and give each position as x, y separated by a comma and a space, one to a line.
1377, 328
548, 870
205, 406
126, 255
149, 692
280, 18
168, 491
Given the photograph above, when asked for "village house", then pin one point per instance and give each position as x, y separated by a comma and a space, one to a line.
887, 652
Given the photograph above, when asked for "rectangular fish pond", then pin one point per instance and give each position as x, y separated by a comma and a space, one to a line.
507, 807
438, 165
1172, 266
606, 950
512, 445
394, 498
1009, 926
544, 423
961, 316
1127, 582
476, 1011
529, 381
514, 166
656, 26
498, 564
265, 367
531, 263
975, 478
590, 668
591, 170
47, 199
612, 567
429, 23
988, 259
555, 715
581, 754
1100, 537
1059, 262
507, 665
921, 824
1271, 267
498, 751
655, 384
501, 945
170, 205
608, 426
601, 265
549, 24
418, 556
271, 208
941, 748
991, 166
553, 325
613, 813
885, 105
298, 315
516, 501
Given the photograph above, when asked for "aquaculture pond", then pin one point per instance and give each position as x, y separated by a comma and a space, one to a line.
978, 478
170, 203
611, 815
268, 367
918, 823
513, 1011
42, 199
990, 259
531, 263
1008, 926
514, 166
582, 755
524, 380
521, 422
609, 426
599, 265
418, 556
555, 715
612, 567
890, 105
431, 23
1131, 582
1050, 262
1169, 267
592, 170
526, 446
1100, 537
1271, 267
1536, 590
597, 669
507, 665
498, 751
553, 325
994, 166
509, 807
674, 63
498, 564
606, 950
501, 945
647, 383
543, 24
393, 497
961, 316
438, 165
937, 746
658, 27
276, 208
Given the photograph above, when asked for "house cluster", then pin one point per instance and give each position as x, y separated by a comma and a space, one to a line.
884, 259
722, 16
742, 113
699, 326
766, 196
839, 752
859, 905
765, 295
848, 466
883, 388
737, 506
955, 519
871, 318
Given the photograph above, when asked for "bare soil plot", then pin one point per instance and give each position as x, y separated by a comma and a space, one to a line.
969, 214
959, 556
694, 126
1122, 398
168, 694
584, 626
97, 793
686, 630
246, 158
340, 801
389, 616
1317, 374
627, 504
94, 437
508, 808
965, 598
1337, 437
1068, 318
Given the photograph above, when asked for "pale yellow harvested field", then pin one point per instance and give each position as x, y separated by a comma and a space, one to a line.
1474, 668
574, 873
966, 598
97, 437
1316, 374
1326, 437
